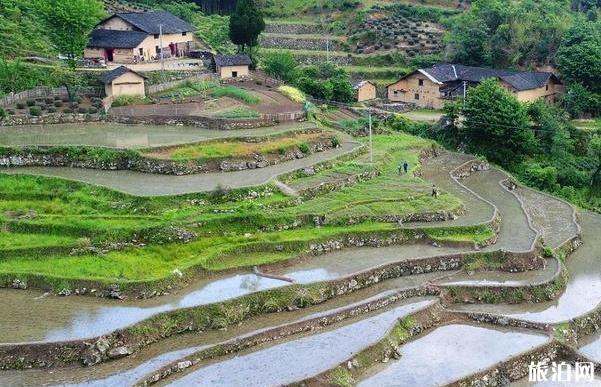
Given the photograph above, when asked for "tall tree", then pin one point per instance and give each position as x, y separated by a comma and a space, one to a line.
595, 152
579, 56
496, 124
246, 24
69, 23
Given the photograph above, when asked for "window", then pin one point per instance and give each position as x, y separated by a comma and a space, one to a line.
234, 74
547, 87
184, 33
141, 50
156, 36
416, 96
156, 48
421, 82
395, 92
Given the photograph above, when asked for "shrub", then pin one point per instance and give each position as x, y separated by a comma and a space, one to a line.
30, 102
92, 110
65, 99
68, 110
74, 105
125, 100
51, 109
304, 147
3, 113
35, 111
57, 97
11, 112
20, 105
82, 110
293, 94
49, 100
58, 103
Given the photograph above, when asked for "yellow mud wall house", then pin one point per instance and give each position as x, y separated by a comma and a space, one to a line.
433, 86
232, 66
123, 82
364, 90
137, 37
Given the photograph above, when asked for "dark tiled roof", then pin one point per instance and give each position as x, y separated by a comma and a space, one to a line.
526, 80
116, 39
116, 73
232, 60
149, 22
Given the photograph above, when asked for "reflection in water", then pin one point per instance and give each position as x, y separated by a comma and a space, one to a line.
312, 354
94, 322
451, 352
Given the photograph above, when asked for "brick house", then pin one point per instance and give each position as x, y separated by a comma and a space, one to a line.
136, 37
432, 87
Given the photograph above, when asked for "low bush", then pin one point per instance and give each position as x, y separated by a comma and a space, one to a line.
30, 102
49, 100
92, 110
82, 110
51, 110
58, 103
35, 111
126, 100
20, 105
3, 113
293, 94
304, 147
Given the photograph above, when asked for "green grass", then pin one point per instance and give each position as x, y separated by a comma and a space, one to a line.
236, 93
65, 211
238, 112
9, 240
229, 149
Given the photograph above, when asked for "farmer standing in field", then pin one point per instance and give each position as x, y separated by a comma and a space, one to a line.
434, 191
406, 166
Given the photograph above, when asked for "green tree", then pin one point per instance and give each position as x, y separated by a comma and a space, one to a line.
579, 56
69, 23
452, 110
496, 124
280, 65
246, 24
595, 152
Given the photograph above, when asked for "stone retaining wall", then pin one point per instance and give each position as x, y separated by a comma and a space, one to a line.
292, 29
48, 119
308, 59
292, 43
127, 160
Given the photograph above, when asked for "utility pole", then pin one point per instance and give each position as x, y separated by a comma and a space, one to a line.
371, 149
161, 51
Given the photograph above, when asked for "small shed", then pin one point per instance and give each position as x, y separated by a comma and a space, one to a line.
364, 90
123, 81
232, 66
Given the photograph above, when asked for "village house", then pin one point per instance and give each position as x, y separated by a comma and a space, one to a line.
137, 37
364, 90
232, 66
123, 82
432, 87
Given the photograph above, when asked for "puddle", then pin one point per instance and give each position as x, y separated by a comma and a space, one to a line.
583, 290
123, 136
451, 352
148, 184
313, 354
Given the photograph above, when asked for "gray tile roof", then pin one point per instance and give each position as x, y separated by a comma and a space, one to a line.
116, 73
116, 39
525, 80
149, 22
232, 60
359, 83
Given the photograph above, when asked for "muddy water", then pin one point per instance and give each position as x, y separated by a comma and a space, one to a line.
552, 217
348, 261
128, 370
147, 184
502, 278
124, 136
313, 354
72, 318
515, 233
451, 352
582, 293
436, 170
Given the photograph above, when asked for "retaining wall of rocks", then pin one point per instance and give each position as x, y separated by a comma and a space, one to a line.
128, 160
292, 29
48, 119
292, 43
